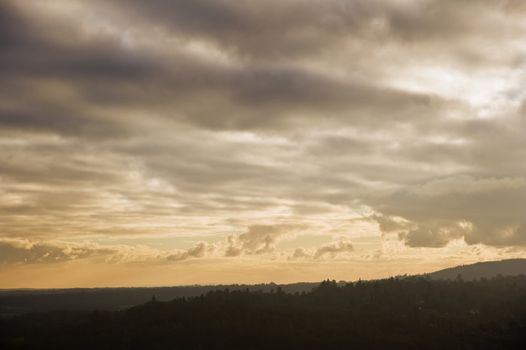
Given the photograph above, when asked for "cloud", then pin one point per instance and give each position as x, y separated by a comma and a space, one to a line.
20, 251
334, 249
258, 239
388, 224
331, 250
299, 253
434, 237
96, 72
27, 252
255, 31
198, 251
480, 210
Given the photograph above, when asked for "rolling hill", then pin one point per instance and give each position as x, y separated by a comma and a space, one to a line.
489, 269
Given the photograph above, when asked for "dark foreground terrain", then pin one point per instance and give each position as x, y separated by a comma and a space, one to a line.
396, 313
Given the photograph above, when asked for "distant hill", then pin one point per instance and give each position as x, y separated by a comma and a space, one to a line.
13, 302
489, 269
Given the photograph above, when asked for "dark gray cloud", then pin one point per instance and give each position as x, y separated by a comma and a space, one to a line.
480, 210
105, 73
278, 29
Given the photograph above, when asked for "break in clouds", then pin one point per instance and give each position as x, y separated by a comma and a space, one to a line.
258, 122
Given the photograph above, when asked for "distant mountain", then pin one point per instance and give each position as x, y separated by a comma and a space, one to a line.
487, 269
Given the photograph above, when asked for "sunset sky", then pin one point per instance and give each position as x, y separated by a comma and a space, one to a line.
230, 141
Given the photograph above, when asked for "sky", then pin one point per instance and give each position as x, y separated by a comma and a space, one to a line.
230, 141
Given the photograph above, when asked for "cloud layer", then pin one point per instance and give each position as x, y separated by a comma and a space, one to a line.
253, 123
19, 251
